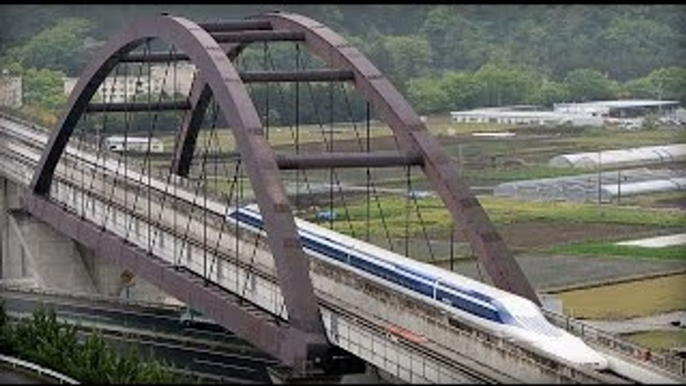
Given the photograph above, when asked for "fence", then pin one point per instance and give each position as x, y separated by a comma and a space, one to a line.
671, 364
34, 368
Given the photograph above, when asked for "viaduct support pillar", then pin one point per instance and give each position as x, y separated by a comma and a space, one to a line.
33, 254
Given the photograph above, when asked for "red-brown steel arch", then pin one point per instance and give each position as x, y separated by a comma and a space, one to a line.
306, 333
440, 169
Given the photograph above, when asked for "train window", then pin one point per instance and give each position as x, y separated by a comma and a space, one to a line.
413, 283
372, 268
324, 249
415, 273
424, 288
468, 306
242, 217
472, 293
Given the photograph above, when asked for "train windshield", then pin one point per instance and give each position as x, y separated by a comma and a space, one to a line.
526, 314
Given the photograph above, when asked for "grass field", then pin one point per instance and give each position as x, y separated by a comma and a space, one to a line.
627, 300
658, 340
655, 199
677, 252
498, 175
505, 211
618, 138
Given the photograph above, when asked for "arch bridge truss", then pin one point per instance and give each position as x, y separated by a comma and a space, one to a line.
220, 87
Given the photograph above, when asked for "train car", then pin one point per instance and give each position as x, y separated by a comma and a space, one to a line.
504, 314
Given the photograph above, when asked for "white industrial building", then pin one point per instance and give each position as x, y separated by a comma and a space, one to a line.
622, 157
624, 108
522, 118
121, 88
11, 94
576, 114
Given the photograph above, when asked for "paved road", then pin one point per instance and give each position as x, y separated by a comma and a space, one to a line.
8, 377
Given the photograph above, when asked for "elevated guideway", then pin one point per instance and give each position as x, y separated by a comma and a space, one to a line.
407, 339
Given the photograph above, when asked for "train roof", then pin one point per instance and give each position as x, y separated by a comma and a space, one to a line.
395, 258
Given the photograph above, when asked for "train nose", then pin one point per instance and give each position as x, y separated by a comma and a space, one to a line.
599, 364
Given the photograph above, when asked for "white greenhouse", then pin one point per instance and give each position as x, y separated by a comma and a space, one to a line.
582, 188
624, 157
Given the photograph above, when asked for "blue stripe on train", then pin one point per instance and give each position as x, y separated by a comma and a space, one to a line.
399, 278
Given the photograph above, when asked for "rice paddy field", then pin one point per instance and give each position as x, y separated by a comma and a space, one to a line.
627, 300
658, 340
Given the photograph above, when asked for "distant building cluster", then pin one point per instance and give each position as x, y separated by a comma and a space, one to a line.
11, 94
121, 88
628, 113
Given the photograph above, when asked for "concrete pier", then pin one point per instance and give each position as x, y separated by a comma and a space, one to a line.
33, 254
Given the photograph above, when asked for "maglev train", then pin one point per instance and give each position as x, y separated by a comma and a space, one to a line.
506, 315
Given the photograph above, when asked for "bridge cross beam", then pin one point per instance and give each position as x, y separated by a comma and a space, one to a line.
440, 170
220, 80
301, 341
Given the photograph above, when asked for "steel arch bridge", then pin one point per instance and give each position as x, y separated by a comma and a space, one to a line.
213, 48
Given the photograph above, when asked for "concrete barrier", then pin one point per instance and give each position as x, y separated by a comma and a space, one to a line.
33, 368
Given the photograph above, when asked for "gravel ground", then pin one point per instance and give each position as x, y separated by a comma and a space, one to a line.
8, 377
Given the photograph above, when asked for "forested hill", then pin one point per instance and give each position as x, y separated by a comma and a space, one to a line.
422, 48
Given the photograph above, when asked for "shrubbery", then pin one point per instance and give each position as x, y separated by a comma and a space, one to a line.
45, 341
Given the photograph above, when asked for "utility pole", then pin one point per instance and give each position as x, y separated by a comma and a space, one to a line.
460, 160
619, 186
452, 247
600, 176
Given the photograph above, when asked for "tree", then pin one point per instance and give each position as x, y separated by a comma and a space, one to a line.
500, 85
427, 95
44, 88
531, 45
437, 23
668, 83
60, 48
588, 85
641, 88
459, 42
410, 56
462, 90
11, 65
635, 44
7, 343
548, 93
47, 342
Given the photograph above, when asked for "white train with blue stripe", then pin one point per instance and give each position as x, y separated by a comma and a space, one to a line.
502, 313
